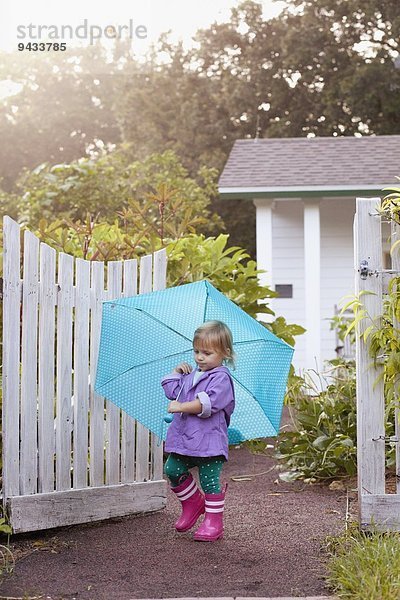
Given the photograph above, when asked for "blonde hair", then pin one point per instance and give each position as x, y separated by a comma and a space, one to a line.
216, 336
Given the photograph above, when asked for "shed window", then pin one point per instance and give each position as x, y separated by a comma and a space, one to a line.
284, 290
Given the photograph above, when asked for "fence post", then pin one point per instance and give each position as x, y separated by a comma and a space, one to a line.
46, 370
142, 434
370, 399
11, 356
64, 415
128, 424
29, 355
159, 283
113, 431
395, 236
81, 373
96, 403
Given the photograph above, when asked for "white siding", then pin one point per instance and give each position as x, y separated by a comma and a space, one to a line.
336, 266
288, 266
337, 271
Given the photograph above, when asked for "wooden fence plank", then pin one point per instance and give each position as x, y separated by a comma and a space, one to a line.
30, 298
395, 236
64, 415
11, 356
159, 283
142, 434
114, 285
382, 511
46, 367
128, 434
96, 402
370, 400
81, 373
44, 511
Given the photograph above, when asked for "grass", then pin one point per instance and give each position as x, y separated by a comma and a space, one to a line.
7, 561
365, 566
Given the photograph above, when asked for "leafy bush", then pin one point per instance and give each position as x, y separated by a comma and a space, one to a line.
159, 206
196, 257
365, 566
323, 442
190, 258
141, 226
111, 182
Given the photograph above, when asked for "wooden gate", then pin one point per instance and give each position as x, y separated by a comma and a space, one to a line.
377, 507
68, 456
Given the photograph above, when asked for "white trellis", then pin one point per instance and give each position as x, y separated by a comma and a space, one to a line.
68, 456
377, 508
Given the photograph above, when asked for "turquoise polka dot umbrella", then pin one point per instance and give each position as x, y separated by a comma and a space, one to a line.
144, 337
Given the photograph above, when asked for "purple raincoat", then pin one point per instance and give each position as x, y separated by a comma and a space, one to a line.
205, 434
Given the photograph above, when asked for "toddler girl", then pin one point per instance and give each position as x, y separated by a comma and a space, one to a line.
203, 401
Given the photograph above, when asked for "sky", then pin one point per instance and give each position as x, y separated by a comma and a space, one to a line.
182, 17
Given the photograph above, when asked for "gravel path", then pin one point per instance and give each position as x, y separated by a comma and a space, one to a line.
272, 547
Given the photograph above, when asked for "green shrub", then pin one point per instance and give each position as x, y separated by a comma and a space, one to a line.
322, 444
191, 257
365, 566
111, 182
196, 257
230, 269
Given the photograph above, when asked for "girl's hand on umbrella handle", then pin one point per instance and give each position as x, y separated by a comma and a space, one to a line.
173, 407
183, 368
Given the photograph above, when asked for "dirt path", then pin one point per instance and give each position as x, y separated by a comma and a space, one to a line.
272, 547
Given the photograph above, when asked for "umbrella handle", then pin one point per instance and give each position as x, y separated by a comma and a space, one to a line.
168, 417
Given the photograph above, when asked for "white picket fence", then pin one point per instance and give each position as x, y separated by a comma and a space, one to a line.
68, 456
377, 507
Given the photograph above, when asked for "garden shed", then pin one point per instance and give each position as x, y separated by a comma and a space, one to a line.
304, 190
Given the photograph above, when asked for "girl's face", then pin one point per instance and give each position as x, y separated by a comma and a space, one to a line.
207, 358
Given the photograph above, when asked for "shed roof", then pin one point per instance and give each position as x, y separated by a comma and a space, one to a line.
327, 166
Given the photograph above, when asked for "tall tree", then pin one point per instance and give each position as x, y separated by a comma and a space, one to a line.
321, 67
63, 102
341, 54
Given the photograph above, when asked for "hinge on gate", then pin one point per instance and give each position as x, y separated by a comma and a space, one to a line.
365, 271
388, 439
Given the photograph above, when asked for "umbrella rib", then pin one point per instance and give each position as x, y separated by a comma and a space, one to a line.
165, 325
252, 395
277, 342
157, 321
205, 304
244, 387
147, 362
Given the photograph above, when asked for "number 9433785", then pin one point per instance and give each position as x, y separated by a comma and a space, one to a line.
42, 46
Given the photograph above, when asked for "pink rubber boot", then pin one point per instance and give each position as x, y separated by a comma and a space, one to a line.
192, 501
212, 528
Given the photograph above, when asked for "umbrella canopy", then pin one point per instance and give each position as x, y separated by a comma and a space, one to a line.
144, 337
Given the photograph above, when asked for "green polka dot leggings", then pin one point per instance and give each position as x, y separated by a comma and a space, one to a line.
177, 468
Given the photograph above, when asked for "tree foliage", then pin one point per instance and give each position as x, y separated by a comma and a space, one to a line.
325, 67
63, 104
321, 67
156, 191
